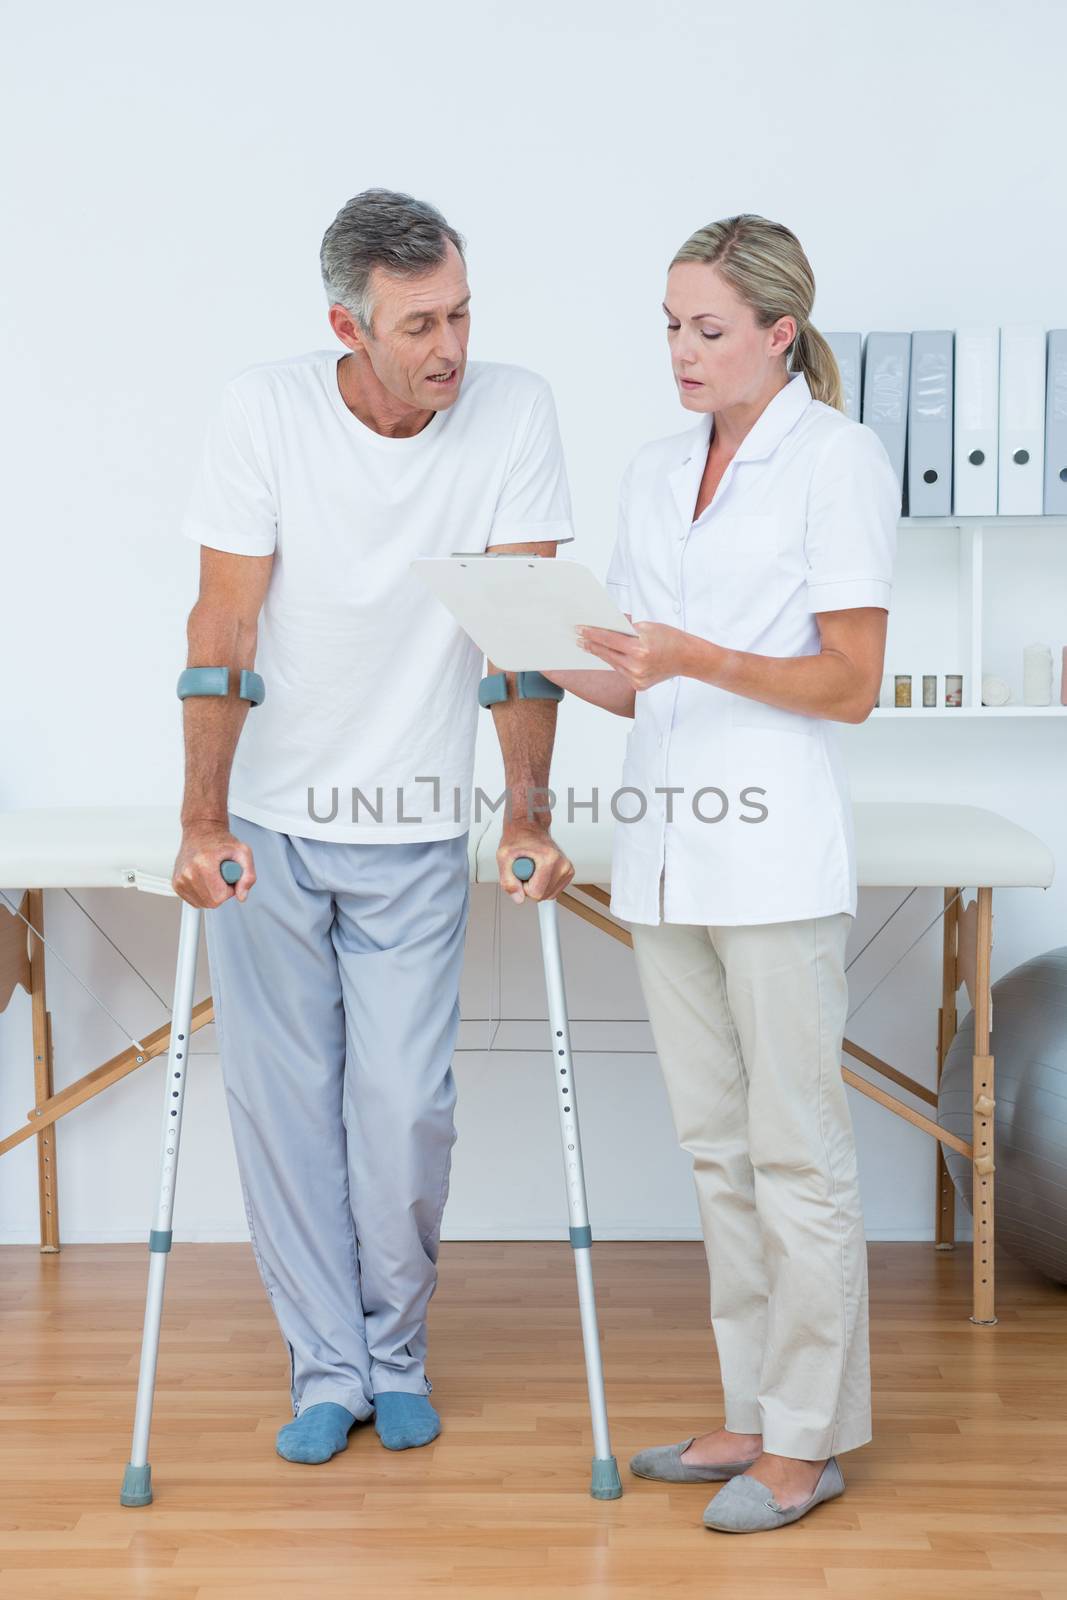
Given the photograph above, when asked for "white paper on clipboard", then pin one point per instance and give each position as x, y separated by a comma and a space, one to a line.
522, 610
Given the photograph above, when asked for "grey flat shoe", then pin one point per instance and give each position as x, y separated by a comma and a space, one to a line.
664, 1461
747, 1506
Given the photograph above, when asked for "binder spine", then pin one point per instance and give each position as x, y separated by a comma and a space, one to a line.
930, 425
886, 376
1055, 496
1022, 420
976, 426
848, 353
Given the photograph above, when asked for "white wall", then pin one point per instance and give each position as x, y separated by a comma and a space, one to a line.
173, 173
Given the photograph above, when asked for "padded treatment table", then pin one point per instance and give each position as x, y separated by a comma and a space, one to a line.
898, 844
907, 845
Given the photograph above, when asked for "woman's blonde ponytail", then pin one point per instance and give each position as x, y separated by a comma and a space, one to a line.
813, 357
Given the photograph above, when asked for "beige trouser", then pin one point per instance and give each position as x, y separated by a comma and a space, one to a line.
748, 1023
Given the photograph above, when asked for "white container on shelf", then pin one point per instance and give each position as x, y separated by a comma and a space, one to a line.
1037, 675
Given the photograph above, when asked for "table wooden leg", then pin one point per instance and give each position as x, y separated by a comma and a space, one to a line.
944, 1188
47, 1177
983, 1082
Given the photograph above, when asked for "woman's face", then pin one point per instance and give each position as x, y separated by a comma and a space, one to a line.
720, 356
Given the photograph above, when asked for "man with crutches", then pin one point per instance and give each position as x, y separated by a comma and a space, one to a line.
344, 798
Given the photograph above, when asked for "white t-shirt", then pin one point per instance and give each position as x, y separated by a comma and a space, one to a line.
371, 684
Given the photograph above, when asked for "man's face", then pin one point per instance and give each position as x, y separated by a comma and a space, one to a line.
719, 353
418, 343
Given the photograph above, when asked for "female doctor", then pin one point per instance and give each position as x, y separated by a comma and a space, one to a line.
755, 551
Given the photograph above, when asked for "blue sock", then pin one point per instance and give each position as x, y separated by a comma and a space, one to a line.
404, 1420
316, 1434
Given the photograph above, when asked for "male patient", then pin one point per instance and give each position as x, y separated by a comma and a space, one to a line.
336, 977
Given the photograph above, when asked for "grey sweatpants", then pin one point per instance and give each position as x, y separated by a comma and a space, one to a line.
336, 988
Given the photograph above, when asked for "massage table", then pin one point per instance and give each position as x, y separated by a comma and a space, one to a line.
898, 845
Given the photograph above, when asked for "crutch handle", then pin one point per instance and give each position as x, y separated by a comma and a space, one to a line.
232, 871
524, 868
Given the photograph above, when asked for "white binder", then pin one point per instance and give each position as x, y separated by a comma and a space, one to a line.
974, 477
1056, 425
1022, 420
930, 425
522, 610
848, 353
886, 369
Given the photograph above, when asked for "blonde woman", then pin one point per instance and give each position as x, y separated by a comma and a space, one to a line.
754, 559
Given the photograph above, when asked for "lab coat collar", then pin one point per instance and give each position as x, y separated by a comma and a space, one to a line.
767, 432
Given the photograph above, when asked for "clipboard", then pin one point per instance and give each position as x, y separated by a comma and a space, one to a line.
522, 610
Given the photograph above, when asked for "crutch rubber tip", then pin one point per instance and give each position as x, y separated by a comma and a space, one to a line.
137, 1486
607, 1485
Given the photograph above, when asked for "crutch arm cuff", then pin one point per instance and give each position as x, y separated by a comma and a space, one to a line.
535, 686
493, 689
196, 681
252, 687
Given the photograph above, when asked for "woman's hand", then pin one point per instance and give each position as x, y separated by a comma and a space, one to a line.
659, 652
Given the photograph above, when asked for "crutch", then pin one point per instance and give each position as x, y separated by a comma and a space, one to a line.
606, 1483
137, 1480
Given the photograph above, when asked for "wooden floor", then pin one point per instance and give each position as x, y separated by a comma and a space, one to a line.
963, 1491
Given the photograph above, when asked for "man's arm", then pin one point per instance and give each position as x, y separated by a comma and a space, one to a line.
527, 732
222, 631
611, 691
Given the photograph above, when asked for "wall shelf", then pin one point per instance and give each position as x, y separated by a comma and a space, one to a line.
982, 522
969, 711
968, 594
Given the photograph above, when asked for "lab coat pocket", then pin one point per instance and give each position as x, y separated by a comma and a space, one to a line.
748, 544
731, 569
755, 715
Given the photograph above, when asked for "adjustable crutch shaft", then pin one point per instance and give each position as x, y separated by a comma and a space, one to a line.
137, 1481
606, 1484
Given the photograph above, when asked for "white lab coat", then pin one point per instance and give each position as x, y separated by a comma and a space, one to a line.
804, 520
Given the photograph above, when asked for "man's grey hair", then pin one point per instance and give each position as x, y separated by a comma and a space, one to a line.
380, 228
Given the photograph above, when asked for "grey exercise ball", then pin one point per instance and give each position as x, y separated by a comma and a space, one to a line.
1029, 1047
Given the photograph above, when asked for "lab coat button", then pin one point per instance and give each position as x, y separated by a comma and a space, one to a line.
677, 605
